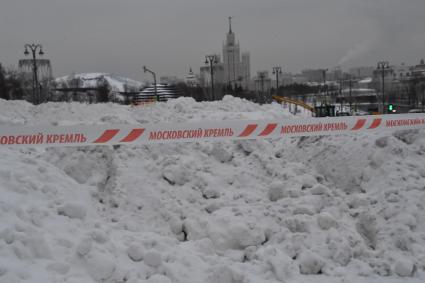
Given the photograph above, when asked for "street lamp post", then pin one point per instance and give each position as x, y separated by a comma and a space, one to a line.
325, 87
154, 81
383, 66
423, 100
211, 60
35, 88
350, 91
262, 76
277, 71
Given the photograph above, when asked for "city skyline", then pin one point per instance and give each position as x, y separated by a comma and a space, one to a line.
84, 36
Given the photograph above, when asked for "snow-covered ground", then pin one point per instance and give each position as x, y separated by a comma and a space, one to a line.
318, 209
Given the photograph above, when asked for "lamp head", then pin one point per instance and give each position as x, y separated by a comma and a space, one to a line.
41, 53
26, 52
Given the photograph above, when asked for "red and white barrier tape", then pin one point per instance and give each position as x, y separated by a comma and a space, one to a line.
203, 131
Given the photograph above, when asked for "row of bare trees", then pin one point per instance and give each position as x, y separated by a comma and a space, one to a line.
11, 85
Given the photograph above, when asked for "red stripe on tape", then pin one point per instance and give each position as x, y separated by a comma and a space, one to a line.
375, 124
360, 123
248, 130
268, 130
133, 135
106, 136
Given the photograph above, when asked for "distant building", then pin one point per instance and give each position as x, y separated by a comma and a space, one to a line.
334, 75
299, 79
169, 80
362, 72
191, 79
387, 75
246, 69
401, 72
218, 72
262, 81
404, 85
163, 93
314, 75
419, 70
236, 71
366, 83
44, 68
409, 86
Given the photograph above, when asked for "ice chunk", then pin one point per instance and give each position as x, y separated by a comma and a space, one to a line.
73, 210
319, 190
220, 153
381, 142
210, 193
135, 253
3, 270
366, 226
404, 267
59, 267
159, 278
224, 274
153, 259
84, 247
100, 266
326, 221
39, 247
276, 192
310, 263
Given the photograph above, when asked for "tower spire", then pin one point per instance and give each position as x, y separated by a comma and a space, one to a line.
230, 24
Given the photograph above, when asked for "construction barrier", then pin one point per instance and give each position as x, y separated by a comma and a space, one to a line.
80, 135
300, 103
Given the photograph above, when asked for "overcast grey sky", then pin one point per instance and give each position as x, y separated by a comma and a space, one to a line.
120, 36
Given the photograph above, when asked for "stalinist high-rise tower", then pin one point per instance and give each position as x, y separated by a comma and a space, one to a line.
236, 72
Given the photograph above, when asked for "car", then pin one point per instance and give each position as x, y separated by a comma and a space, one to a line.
343, 114
416, 111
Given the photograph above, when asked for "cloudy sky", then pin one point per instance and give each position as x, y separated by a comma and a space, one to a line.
169, 36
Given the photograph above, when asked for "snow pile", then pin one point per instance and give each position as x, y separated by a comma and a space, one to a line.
318, 209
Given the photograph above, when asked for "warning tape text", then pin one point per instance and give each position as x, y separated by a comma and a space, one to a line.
191, 134
405, 122
312, 128
42, 139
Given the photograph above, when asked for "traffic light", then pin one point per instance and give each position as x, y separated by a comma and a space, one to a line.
391, 108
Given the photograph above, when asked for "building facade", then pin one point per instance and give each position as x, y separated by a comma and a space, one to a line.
246, 69
237, 67
231, 70
314, 75
361, 72
218, 73
191, 79
404, 86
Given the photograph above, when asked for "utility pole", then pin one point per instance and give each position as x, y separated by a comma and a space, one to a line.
36, 91
211, 60
154, 81
383, 66
277, 71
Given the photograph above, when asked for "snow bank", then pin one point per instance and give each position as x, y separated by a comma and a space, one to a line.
318, 209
